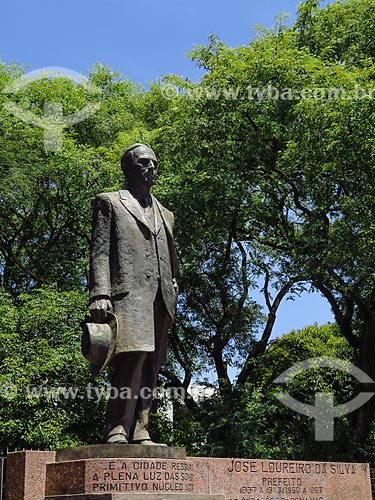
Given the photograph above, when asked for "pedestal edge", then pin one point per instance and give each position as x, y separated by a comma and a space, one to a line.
119, 451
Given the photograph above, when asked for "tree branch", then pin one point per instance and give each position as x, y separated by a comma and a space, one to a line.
245, 291
342, 321
261, 345
175, 382
9, 254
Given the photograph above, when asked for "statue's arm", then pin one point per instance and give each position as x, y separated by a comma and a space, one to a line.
173, 253
99, 277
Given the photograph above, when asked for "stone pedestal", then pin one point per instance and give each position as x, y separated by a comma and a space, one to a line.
239, 479
119, 451
108, 473
120, 475
26, 474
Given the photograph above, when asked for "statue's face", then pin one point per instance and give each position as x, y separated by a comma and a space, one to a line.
145, 165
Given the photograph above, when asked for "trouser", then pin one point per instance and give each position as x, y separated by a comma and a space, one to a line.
134, 380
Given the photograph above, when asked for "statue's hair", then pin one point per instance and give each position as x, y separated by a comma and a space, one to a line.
127, 157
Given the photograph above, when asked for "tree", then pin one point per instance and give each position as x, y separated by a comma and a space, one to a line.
45, 220
272, 156
46, 401
256, 424
341, 32
45, 196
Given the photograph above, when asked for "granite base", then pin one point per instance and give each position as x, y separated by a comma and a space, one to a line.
120, 475
33, 475
26, 474
241, 479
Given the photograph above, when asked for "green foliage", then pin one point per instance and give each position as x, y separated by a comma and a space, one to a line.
253, 423
343, 31
46, 196
270, 159
43, 376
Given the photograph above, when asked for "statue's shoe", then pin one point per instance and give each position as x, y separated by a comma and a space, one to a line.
117, 439
116, 435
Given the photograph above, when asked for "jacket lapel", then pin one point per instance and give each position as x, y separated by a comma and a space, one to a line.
132, 205
159, 221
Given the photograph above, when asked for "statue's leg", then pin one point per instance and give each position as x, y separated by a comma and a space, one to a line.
151, 368
122, 404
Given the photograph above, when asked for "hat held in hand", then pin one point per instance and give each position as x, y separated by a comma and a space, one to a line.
99, 342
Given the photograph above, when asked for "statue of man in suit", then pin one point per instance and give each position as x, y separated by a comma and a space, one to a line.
132, 274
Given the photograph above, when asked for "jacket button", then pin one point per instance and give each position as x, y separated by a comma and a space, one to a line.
148, 275
147, 254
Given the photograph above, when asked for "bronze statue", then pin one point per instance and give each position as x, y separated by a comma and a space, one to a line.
133, 274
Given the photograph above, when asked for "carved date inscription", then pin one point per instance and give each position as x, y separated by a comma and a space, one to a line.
277, 480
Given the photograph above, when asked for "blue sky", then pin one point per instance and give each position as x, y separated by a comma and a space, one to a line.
142, 39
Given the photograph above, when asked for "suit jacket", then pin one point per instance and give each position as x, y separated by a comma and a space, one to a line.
130, 259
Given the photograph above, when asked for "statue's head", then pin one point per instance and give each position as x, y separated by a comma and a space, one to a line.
139, 164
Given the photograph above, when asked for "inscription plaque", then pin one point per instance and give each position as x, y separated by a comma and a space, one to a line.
120, 476
241, 479
144, 476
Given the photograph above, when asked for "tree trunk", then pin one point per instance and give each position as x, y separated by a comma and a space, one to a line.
366, 362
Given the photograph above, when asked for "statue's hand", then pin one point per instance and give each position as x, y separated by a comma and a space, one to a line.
99, 308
